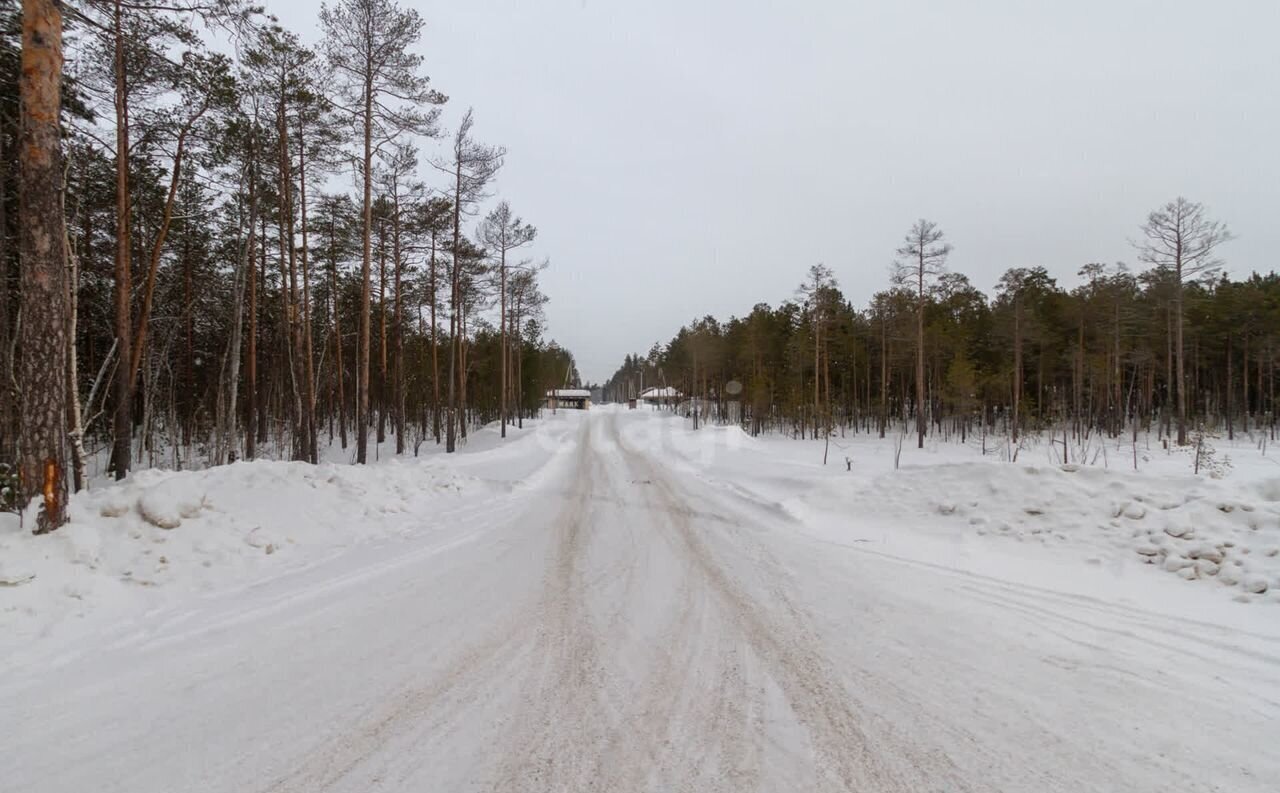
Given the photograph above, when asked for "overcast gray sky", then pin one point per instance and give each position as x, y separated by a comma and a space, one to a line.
686, 157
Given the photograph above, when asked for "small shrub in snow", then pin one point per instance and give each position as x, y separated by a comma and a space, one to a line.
10, 490
1206, 459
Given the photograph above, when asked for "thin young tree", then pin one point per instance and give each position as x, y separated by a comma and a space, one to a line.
434, 218
282, 66
239, 147
522, 286
471, 166
206, 84
1182, 240
921, 259
527, 302
503, 232
368, 45
336, 217
319, 131
818, 293
45, 322
401, 192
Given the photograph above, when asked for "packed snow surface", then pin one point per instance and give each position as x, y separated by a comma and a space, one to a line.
610, 600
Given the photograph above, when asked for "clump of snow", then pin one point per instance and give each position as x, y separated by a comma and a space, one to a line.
1134, 511
1255, 583
166, 503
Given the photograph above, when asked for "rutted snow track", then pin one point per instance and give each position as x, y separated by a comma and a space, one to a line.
622, 628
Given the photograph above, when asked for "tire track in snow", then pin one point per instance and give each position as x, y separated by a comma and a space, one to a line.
697, 705
847, 757
600, 712
437, 705
557, 731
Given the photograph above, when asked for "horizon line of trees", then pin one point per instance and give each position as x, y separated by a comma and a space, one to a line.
191, 285
1178, 347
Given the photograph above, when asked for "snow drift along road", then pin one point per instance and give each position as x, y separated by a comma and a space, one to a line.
626, 618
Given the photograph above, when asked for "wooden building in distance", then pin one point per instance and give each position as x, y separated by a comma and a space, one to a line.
569, 399
666, 396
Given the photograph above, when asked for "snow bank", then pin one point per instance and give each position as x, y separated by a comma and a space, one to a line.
1163, 520
1194, 527
158, 536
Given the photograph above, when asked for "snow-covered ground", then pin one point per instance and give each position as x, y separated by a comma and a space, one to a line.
610, 601
976, 508
163, 539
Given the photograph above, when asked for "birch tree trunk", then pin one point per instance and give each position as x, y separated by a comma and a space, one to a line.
245, 279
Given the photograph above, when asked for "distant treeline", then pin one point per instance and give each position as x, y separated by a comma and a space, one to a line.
936, 353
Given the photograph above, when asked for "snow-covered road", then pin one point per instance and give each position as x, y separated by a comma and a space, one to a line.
610, 623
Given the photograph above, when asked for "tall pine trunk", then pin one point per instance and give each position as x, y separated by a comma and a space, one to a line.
43, 335
397, 329
920, 417
121, 453
435, 348
8, 388
1179, 356
451, 436
337, 333
382, 330
362, 380
245, 279
502, 345
308, 357
291, 315
251, 359
1016, 416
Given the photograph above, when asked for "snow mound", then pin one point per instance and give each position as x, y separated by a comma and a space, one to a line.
133, 546
1197, 528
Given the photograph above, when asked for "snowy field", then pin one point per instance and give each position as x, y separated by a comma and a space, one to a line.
611, 601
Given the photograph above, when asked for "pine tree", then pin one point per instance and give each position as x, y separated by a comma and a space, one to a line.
45, 335
921, 259
368, 46
503, 232
1181, 239
471, 166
